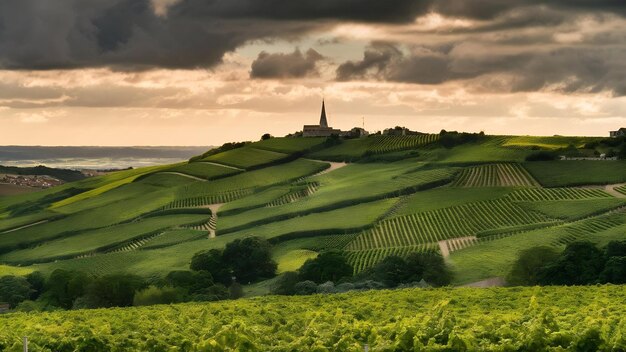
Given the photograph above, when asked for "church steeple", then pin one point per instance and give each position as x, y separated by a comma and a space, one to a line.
323, 121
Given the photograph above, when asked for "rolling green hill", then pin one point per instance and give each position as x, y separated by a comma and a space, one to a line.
476, 201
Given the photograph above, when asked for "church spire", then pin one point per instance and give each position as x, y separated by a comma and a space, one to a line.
323, 121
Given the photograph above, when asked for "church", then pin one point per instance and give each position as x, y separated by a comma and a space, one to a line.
321, 130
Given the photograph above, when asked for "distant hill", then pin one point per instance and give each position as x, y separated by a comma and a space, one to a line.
473, 198
61, 174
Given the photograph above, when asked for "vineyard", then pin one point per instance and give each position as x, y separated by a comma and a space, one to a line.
363, 259
246, 157
433, 226
204, 170
356, 148
477, 203
468, 319
495, 175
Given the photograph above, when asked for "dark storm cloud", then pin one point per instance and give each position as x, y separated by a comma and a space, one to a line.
127, 34
280, 65
563, 69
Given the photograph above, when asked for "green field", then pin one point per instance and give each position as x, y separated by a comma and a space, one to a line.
463, 319
577, 172
246, 157
397, 196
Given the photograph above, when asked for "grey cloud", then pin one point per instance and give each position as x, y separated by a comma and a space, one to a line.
127, 34
280, 65
563, 69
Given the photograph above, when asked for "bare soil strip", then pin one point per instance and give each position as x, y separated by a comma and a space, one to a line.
222, 165
184, 175
492, 282
610, 189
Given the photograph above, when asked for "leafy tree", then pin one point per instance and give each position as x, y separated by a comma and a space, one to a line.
14, 289
158, 295
266, 137
579, 264
328, 266
391, 271
37, 282
63, 287
615, 249
250, 259
212, 261
191, 281
285, 285
216, 292
307, 287
614, 271
115, 290
530, 262
428, 267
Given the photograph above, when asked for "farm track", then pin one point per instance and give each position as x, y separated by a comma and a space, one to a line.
333, 166
211, 225
221, 165
24, 226
612, 190
454, 244
183, 175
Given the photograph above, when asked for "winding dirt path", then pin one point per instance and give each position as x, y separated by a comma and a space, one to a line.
221, 165
610, 189
333, 166
25, 226
214, 209
492, 282
183, 175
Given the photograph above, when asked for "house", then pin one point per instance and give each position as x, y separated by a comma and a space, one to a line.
321, 130
619, 133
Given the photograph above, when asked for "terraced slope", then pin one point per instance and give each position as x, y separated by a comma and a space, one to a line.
354, 149
363, 259
495, 175
433, 226
203, 170
246, 157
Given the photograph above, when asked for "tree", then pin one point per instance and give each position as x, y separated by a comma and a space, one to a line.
266, 136
328, 266
158, 295
614, 271
391, 271
579, 264
63, 287
526, 269
37, 282
305, 288
285, 285
250, 259
615, 249
428, 267
191, 281
212, 261
115, 290
14, 289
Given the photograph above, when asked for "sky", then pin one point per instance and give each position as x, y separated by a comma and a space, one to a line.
206, 72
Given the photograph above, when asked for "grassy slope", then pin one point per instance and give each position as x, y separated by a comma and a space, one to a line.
342, 203
494, 258
577, 172
95, 240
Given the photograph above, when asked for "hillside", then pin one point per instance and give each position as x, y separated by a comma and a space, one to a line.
475, 200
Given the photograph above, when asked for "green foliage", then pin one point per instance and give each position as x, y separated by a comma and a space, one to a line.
115, 290
212, 261
291, 145
158, 295
250, 259
542, 156
328, 266
580, 263
64, 287
14, 289
492, 319
355, 149
527, 267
